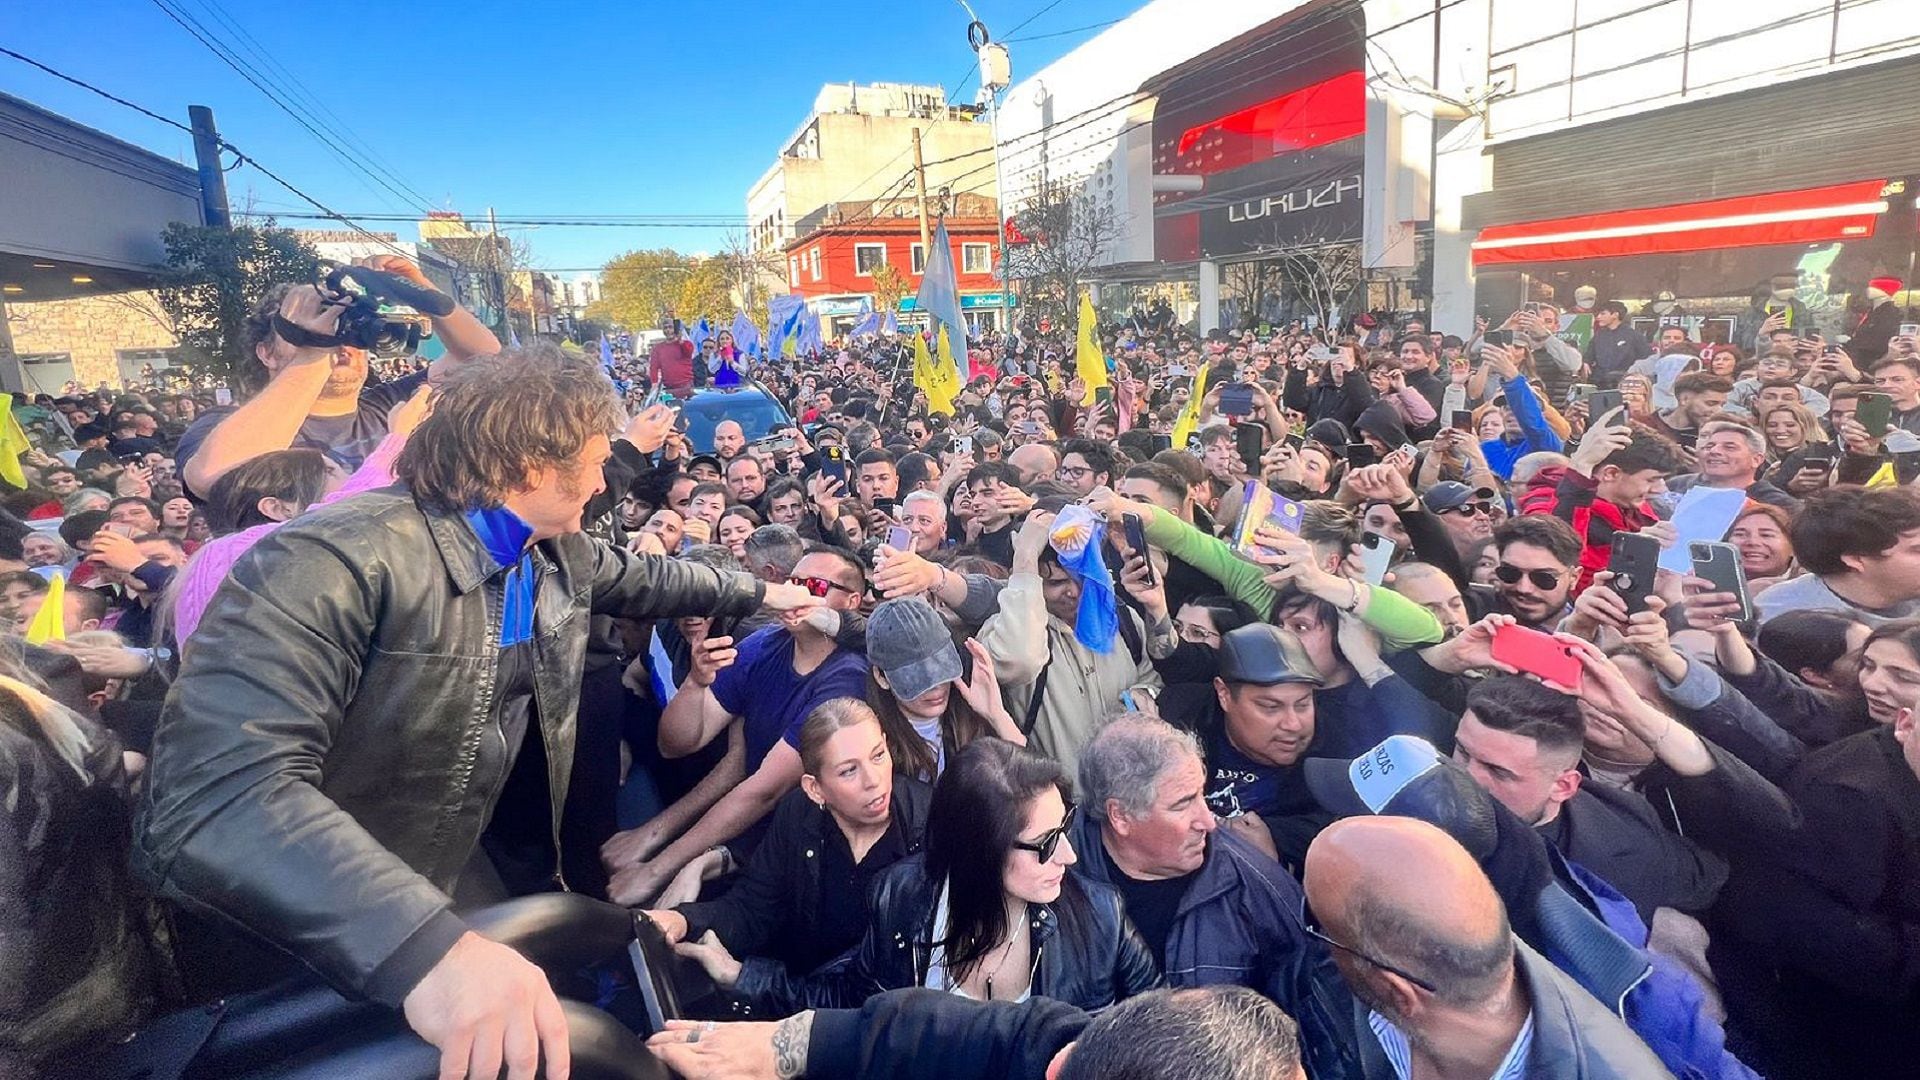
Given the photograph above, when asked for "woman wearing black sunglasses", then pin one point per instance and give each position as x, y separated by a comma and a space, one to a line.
989, 910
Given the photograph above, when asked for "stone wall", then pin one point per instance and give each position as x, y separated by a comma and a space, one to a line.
92, 330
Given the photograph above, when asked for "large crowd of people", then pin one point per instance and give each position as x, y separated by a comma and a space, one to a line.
1350, 702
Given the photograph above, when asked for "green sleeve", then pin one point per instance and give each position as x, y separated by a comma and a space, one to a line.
1244, 581
1401, 623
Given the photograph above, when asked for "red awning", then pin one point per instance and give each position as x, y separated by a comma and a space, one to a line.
1840, 212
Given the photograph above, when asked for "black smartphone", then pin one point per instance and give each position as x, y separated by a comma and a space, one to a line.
1236, 399
1162, 442
833, 463
1602, 402
1361, 454
1635, 562
1875, 413
1580, 392
1296, 441
1499, 338
1463, 420
1137, 540
1822, 462
1251, 440
1719, 563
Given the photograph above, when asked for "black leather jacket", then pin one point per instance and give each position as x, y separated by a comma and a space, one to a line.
318, 779
773, 910
1085, 951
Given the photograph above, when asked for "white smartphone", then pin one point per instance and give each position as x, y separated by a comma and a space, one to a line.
1376, 555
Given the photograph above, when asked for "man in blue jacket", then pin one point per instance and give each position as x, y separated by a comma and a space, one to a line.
1214, 909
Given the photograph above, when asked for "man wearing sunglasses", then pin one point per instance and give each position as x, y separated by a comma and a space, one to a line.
1534, 579
1466, 512
763, 688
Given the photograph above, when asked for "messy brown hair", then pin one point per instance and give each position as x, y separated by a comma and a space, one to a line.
499, 419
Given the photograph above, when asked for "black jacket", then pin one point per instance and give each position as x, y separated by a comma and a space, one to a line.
927, 1035
1085, 952
1834, 907
775, 905
1617, 836
1239, 925
318, 780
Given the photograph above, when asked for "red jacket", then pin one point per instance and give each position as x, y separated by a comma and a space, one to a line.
670, 364
1570, 496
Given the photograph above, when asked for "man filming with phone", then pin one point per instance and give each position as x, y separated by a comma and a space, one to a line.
316, 396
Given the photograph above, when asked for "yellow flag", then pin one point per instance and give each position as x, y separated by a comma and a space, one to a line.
1089, 362
49, 623
13, 443
928, 377
946, 377
1189, 420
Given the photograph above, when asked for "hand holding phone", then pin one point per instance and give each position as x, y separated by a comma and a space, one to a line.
1532, 652
1136, 534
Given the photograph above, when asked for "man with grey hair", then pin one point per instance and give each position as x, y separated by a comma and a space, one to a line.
772, 551
925, 517
1732, 455
1212, 907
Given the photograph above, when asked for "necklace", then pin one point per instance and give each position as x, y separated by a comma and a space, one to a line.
1006, 953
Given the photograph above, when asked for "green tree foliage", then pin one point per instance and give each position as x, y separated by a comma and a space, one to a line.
640, 288
214, 278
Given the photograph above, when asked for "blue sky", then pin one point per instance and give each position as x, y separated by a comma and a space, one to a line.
535, 108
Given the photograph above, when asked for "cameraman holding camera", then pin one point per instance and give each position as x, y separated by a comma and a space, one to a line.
316, 397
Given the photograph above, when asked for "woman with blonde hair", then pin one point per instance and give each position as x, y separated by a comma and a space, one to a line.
1795, 436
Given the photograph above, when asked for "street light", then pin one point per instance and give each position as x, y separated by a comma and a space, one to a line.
996, 74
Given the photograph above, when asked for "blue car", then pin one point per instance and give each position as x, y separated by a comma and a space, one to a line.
749, 404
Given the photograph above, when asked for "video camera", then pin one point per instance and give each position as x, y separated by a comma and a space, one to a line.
365, 324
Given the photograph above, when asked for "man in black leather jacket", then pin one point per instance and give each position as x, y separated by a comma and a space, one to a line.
355, 695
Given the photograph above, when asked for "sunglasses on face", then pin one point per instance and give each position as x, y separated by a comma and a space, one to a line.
1312, 926
1483, 507
820, 586
1541, 579
1049, 841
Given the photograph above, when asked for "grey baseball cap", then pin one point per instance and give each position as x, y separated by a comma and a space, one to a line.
909, 642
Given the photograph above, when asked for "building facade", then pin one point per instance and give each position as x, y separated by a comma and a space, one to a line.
857, 144
853, 257
1463, 156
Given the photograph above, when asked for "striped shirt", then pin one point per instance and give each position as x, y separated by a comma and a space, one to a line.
1400, 1053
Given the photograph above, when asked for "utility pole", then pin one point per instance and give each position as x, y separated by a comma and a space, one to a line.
920, 176
499, 273
213, 181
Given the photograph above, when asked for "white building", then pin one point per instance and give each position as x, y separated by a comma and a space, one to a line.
1481, 152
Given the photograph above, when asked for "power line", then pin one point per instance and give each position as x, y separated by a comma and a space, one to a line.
1063, 33
64, 77
192, 26
562, 223
241, 156
1032, 17
298, 90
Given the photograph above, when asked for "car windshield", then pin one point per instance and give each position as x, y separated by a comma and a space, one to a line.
756, 413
